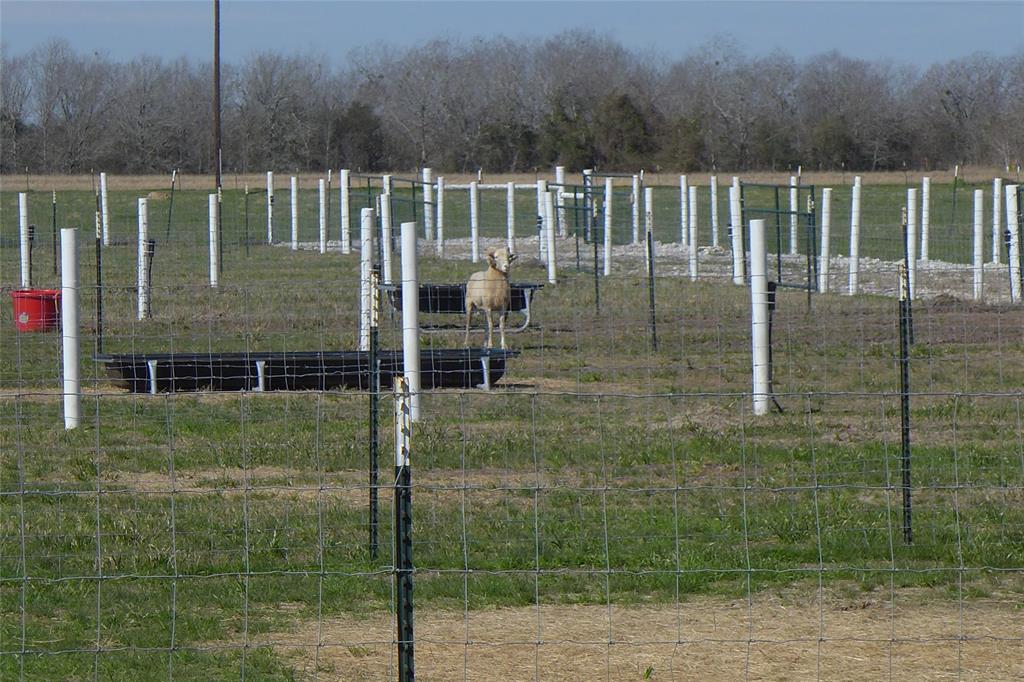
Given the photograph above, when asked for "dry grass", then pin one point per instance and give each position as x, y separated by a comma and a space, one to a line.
770, 638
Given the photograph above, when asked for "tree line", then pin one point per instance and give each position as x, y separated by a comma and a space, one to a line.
577, 99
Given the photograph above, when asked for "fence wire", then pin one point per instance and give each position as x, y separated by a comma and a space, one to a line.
609, 510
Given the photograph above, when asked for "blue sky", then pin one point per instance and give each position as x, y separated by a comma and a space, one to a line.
917, 32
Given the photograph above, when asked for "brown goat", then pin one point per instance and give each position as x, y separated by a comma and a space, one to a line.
489, 290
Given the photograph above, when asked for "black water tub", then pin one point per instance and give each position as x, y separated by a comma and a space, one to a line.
293, 371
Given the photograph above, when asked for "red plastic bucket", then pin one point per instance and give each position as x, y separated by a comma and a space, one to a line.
36, 310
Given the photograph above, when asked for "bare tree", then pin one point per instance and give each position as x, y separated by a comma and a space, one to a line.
15, 124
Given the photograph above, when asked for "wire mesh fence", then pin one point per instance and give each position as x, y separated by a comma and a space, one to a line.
610, 509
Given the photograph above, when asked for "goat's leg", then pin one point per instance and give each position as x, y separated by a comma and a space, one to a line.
469, 317
501, 326
490, 328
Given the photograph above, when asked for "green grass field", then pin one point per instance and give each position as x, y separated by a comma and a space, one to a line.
181, 535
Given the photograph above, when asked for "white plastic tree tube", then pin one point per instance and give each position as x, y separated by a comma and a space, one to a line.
343, 211
142, 284
692, 241
366, 227
926, 193
26, 268
794, 206
385, 237
738, 252
559, 203
550, 230
474, 221
270, 207
684, 211
410, 316
542, 243
510, 215
1013, 226
439, 217
912, 242
323, 215
714, 211
295, 213
997, 220
636, 209
759, 315
648, 220
607, 226
855, 237
428, 204
69, 325
105, 208
214, 251
826, 237
648, 210
979, 242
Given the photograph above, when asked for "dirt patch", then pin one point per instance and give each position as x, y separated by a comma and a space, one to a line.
487, 486
768, 638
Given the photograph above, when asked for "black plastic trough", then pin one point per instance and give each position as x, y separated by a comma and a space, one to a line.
295, 371
451, 298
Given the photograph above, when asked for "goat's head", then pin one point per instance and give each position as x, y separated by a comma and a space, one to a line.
501, 258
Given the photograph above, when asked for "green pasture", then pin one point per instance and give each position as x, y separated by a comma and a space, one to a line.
175, 535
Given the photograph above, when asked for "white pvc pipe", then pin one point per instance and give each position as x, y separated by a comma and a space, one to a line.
737, 238
214, 252
26, 280
738, 251
105, 208
560, 181
607, 227
474, 221
385, 237
648, 211
648, 221
912, 242
542, 243
323, 215
439, 218
926, 193
826, 238
510, 215
366, 225
636, 209
1012, 224
684, 211
386, 183
794, 206
979, 241
428, 204
714, 211
343, 211
69, 324
151, 365
692, 241
759, 315
549, 230
295, 213
997, 220
270, 207
410, 316
261, 375
855, 237
142, 286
